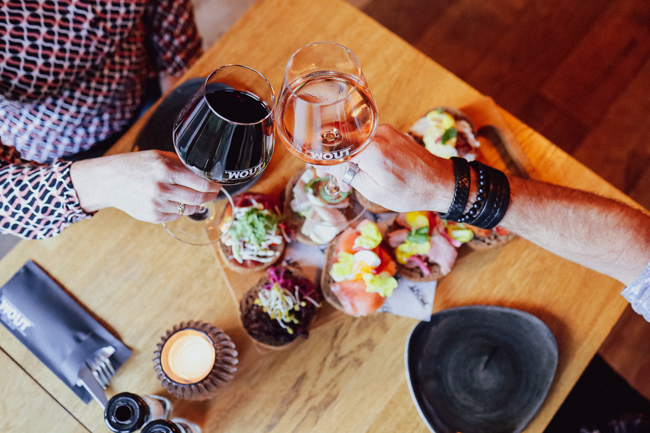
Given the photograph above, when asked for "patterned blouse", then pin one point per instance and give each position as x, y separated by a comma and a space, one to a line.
72, 73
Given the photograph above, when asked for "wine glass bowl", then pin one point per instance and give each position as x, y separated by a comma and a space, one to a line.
325, 111
325, 116
224, 134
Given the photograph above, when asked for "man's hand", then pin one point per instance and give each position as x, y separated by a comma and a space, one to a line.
399, 174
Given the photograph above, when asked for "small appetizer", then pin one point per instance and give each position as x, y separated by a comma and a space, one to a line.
485, 239
279, 309
256, 237
424, 249
372, 207
313, 219
446, 132
359, 273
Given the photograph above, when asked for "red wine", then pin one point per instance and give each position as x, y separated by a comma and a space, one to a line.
226, 137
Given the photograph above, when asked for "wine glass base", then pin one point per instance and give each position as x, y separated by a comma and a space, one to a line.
202, 229
324, 220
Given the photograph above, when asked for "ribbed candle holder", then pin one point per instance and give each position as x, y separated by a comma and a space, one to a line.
206, 384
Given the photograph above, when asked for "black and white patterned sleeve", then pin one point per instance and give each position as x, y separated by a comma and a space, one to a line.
38, 201
173, 33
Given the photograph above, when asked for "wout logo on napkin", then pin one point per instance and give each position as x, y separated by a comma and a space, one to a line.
13, 317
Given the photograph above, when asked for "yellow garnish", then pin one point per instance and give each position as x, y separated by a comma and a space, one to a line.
459, 231
343, 267
383, 284
445, 120
370, 237
359, 269
408, 249
417, 219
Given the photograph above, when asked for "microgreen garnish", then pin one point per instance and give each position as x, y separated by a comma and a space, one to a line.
418, 236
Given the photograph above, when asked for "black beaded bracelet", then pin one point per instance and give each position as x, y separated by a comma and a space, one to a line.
497, 199
496, 214
483, 189
462, 174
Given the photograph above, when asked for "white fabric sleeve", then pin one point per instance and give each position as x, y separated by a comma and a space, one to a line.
638, 294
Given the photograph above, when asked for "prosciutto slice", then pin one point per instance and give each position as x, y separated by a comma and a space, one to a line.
442, 253
397, 238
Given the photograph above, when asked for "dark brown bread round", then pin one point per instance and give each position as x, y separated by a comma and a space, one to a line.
268, 331
482, 243
372, 207
224, 253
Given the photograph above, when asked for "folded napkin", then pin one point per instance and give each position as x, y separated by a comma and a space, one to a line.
56, 329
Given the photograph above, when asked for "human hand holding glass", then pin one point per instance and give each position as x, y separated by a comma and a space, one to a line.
223, 134
326, 115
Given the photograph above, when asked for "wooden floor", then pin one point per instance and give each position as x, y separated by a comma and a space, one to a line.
577, 71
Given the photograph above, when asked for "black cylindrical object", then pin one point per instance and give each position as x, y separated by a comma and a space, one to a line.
127, 412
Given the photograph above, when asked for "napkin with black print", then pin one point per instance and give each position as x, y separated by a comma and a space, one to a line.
55, 328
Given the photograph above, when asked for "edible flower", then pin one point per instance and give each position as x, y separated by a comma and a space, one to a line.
383, 284
363, 263
370, 237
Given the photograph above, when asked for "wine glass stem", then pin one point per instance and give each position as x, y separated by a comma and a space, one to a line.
200, 215
332, 187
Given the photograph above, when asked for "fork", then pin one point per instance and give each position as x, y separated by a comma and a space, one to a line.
96, 374
101, 367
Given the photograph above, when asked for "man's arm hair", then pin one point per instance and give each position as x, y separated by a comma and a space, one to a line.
599, 233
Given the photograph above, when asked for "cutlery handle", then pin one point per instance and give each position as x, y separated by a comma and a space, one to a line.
87, 380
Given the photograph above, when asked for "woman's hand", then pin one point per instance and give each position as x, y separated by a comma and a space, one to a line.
146, 185
399, 174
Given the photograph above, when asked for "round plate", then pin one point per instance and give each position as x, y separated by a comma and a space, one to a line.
480, 369
157, 133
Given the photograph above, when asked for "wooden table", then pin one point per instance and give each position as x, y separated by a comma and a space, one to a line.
349, 376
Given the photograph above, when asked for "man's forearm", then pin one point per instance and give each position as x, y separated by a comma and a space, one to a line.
596, 232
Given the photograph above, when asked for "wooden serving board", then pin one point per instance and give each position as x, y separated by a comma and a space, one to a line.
284, 165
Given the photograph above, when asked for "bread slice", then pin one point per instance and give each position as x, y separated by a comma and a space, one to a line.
482, 243
295, 221
455, 113
372, 207
224, 253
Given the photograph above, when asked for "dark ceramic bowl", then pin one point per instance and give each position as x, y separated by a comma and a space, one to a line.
480, 369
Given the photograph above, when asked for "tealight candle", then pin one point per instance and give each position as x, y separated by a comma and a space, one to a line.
188, 356
194, 359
